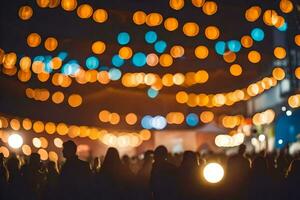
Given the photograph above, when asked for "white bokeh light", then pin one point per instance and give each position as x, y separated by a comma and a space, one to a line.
15, 141
213, 172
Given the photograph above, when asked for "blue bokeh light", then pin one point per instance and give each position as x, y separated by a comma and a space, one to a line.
152, 93
123, 38
92, 62
284, 27
234, 45
114, 74
139, 59
257, 34
160, 46
39, 59
147, 122
192, 119
117, 61
150, 37
63, 55
159, 122
48, 64
220, 47
70, 68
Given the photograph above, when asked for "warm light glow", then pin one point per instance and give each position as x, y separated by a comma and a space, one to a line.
25, 12
212, 32
58, 142
201, 52
236, 70
69, 5
176, 4
51, 44
34, 40
171, 24
75, 100
210, 7
15, 141
100, 16
131, 118
84, 11
190, 29
254, 56
213, 172
139, 17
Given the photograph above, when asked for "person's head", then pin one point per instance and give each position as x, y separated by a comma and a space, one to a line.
34, 161
112, 156
189, 159
69, 149
160, 153
242, 149
112, 162
12, 164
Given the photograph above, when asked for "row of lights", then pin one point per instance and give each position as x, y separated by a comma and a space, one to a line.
74, 100
62, 129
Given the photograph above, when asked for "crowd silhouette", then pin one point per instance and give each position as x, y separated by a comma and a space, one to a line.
159, 175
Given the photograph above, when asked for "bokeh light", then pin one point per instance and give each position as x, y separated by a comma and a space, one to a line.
213, 172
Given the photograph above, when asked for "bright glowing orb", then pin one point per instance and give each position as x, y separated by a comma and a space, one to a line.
15, 141
213, 172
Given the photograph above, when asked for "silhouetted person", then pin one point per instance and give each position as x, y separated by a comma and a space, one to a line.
14, 179
33, 178
144, 174
75, 178
129, 178
110, 182
163, 176
189, 179
237, 178
293, 181
259, 187
3, 176
51, 189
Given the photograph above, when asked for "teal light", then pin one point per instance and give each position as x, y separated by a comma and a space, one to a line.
220, 47
123, 38
192, 119
150, 37
117, 61
160, 46
139, 59
114, 74
257, 34
152, 93
234, 45
92, 62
